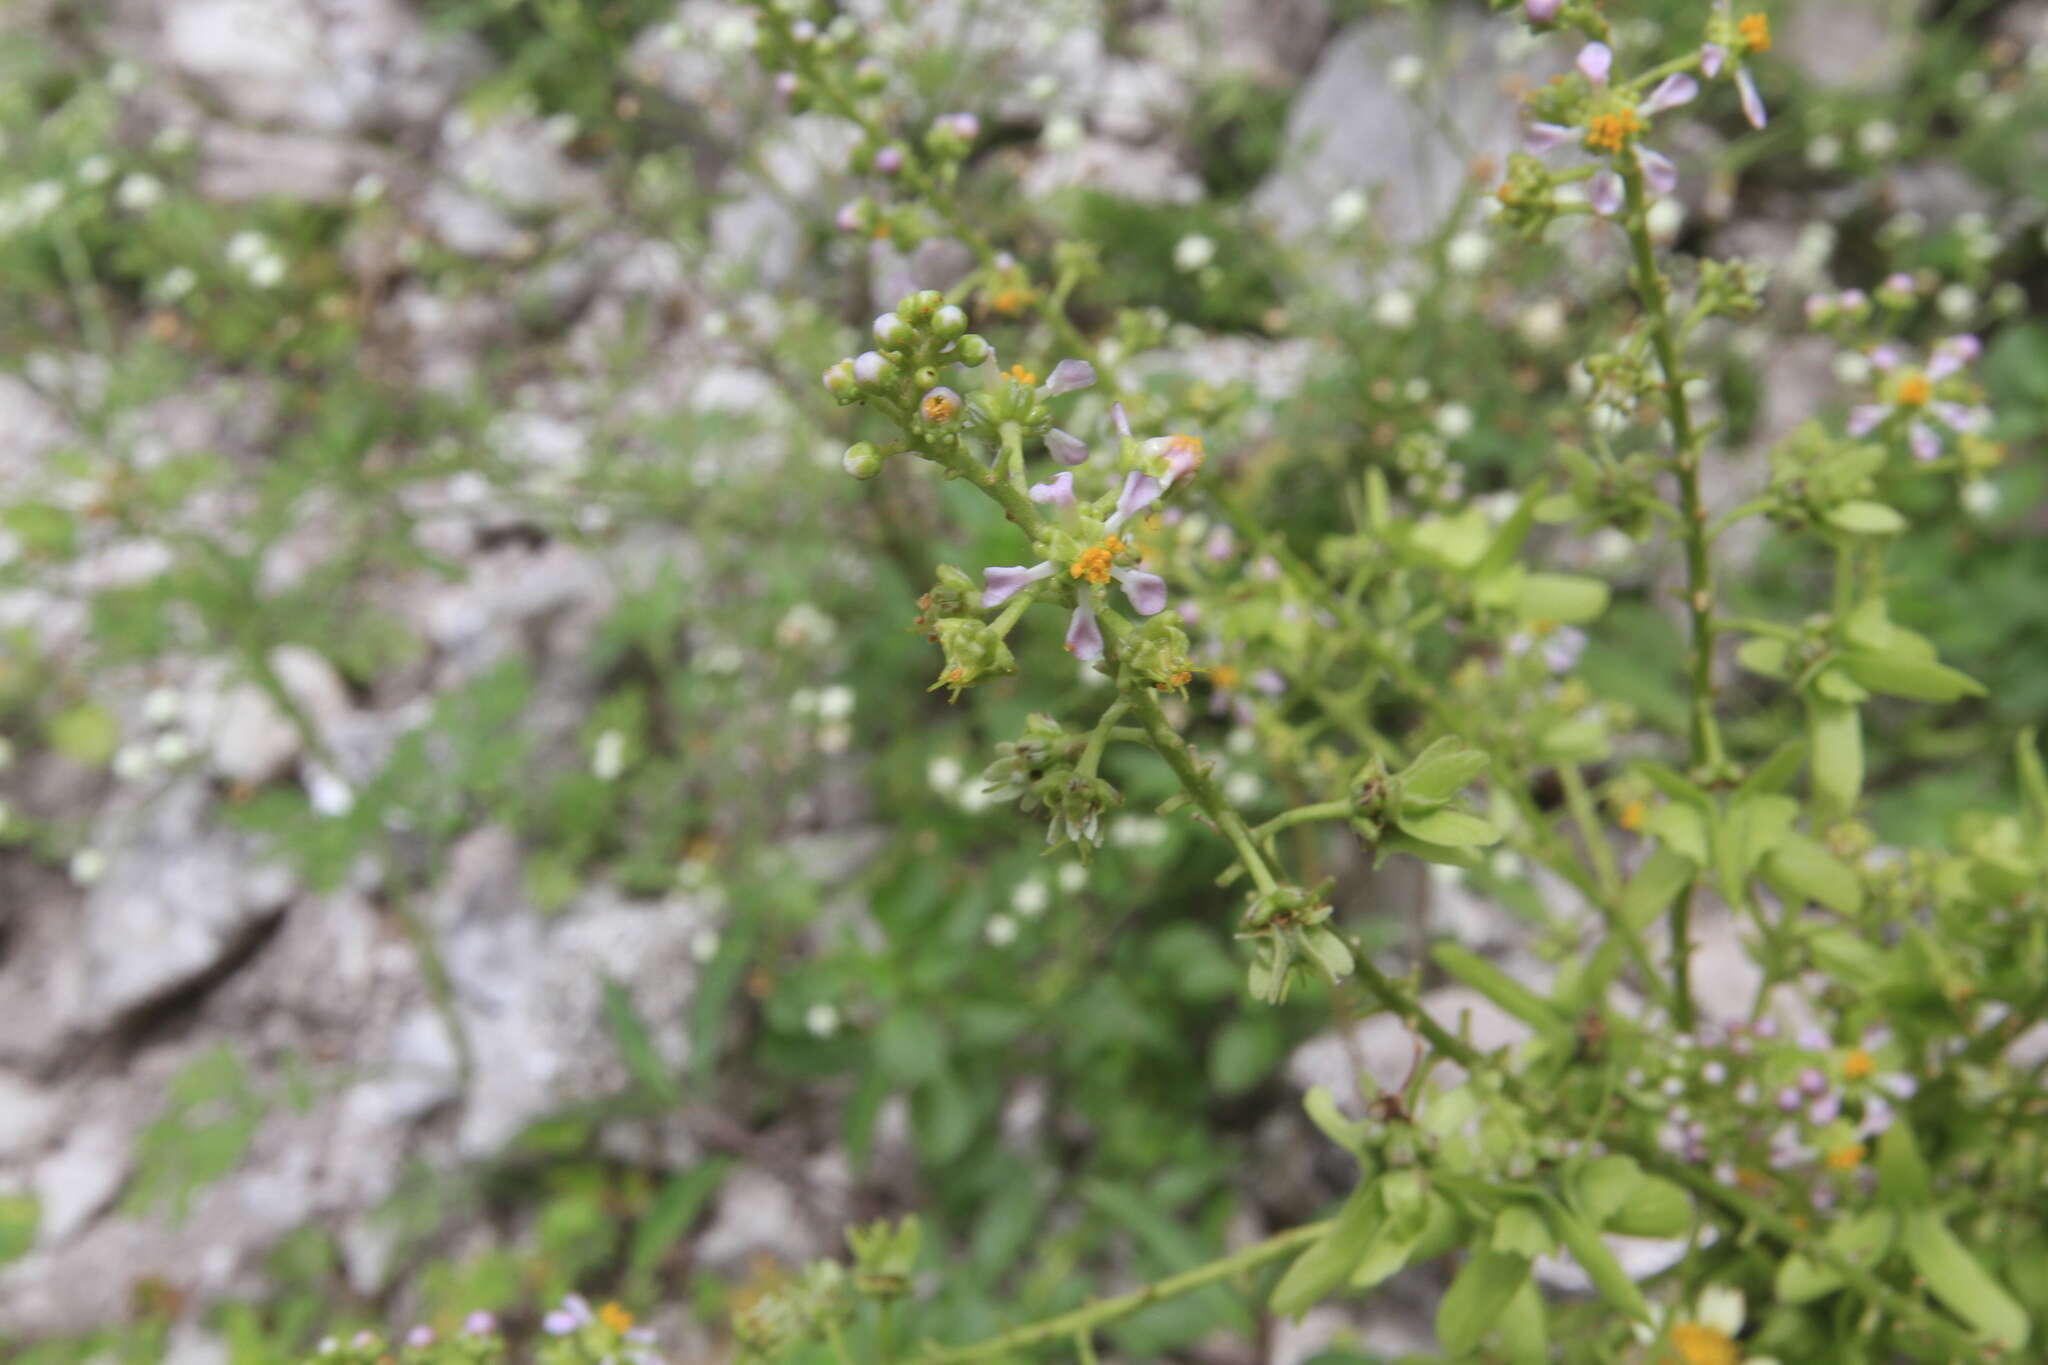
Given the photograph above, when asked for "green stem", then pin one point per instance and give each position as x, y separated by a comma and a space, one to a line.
1301, 815
1606, 874
1098, 740
1089, 1317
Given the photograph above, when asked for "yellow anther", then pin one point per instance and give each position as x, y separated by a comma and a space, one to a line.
1610, 132
1756, 32
1094, 562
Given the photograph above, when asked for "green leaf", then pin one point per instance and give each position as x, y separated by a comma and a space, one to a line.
1446, 827
636, 1046
1603, 1185
1903, 1181
1322, 1110
1243, 1051
1861, 518
1524, 1335
1765, 655
1799, 869
1582, 739
1520, 1229
1598, 1262
1847, 955
1776, 773
1862, 1239
668, 1218
1470, 1309
19, 1216
1562, 599
1654, 1208
86, 733
1457, 542
1502, 989
1442, 770
1331, 1258
1682, 829
2033, 780
1956, 1278
910, 1046
1898, 674
1836, 733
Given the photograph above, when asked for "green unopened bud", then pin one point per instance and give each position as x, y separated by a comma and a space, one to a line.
1158, 653
919, 307
840, 382
893, 332
971, 349
949, 322
973, 652
862, 460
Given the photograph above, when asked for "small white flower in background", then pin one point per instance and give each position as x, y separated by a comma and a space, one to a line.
1242, 788
1698, 389
1416, 390
944, 774
1042, 87
695, 874
608, 757
732, 34
1000, 931
368, 189
132, 762
822, 1019
41, 199
1406, 71
803, 702
1454, 421
1240, 741
172, 141
1852, 368
95, 170
835, 702
1877, 138
723, 659
1468, 252
139, 192
835, 737
245, 248
1192, 252
1347, 210
1072, 878
177, 282
328, 792
1061, 132
267, 273
1956, 302
88, 865
561, 129
1394, 310
1824, 153
1664, 219
1542, 323
1980, 497
124, 78
172, 748
704, 945
1498, 507
1030, 898
803, 624
971, 797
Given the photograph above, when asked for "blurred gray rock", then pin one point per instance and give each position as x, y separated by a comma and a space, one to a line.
1859, 45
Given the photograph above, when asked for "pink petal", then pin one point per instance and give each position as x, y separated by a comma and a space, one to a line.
1066, 449
1712, 55
1752, 102
1542, 137
1084, 637
1674, 90
1058, 491
1123, 422
1595, 61
1921, 437
1147, 591
1658, 170
1961, 417
1885, 357
1866, 418
1604, 193
999, 585
1068, 376
1140, 491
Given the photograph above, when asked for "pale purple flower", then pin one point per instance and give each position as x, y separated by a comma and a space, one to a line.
1659, 171
480, 1324
1604, 193
1713, 1073
1139, 492
1146, 591
889, 160
1000, 583
1067, 376
1058, 491
786, 84
1852, 300
1813, 1081
1595, 62
1541, 11
1120, 418
1923, 441
966, 127
1674, 90
1752, 101
1544, 137
1562, 648
848, 217
1766, 1029
1712, 57
1865, 418
1899, 282
1221, 545
1789, 1099
1068, 450
1877, 1116
1084, 636
1824, 1110
869, 367
420, 1337
1952, 354
558, 1323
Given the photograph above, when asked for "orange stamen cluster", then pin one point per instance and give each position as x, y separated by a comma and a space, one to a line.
1756, 32
615, 1317
1858, 1064
1914, 391
1094, 562
1224, 675
1846, 1158
1011, 300
938, 408
1610, 132
1633, 813
1699, 1344
1021, 375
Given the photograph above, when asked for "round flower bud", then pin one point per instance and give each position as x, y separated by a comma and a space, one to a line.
862, 460
949, 322
889, 160
971, 349
893, 331
920, 306
939, 406
841, 380
1541, 11
871, 369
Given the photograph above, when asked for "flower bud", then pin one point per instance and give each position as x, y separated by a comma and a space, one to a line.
939, 407
893, 332
841, 380
1541, 11
971, 349
920, 306
862, 460
949, 323
871, 369
889, 160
